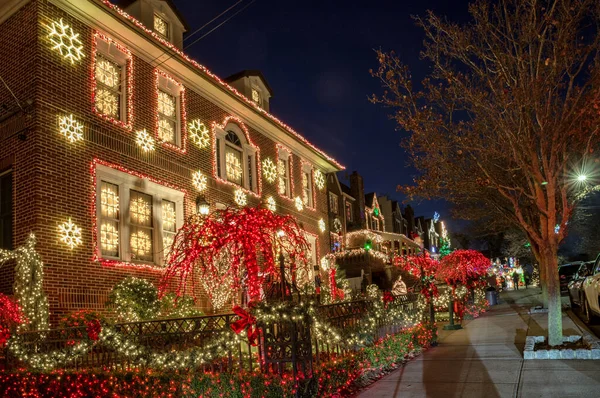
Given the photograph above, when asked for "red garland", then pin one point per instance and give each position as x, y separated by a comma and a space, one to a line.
248, 236
246, 321
463, 267
93, 329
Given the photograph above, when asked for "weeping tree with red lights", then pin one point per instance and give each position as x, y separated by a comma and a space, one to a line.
507, 120
462, 268
237, 248
424, 267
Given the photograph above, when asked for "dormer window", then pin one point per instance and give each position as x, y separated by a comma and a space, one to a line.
256, 96
161, 26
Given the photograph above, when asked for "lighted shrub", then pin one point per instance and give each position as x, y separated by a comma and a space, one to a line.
135, 299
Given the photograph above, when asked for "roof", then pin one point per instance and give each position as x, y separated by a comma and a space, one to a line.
127, 3
248, 73
369, 199
221, 83
346, 189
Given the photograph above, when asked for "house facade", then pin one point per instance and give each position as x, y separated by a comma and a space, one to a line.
112, 136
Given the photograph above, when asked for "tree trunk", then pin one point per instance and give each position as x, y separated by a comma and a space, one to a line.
550, 263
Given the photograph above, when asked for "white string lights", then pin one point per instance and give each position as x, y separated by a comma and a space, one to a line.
269, 170
240, 197
70, 128
199, 134
144, 140
70, 234
319, 178
65, 41
199, 180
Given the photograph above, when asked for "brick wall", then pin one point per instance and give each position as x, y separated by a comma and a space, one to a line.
53, 179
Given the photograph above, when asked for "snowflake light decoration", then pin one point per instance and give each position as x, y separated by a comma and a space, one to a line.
299, 204
166, 132
199, 180
70, 234
70, 128
321, 225
107, 102
269, 170
65, 41
141, 244
271, 204
319, 179
199, 133
240, 197
144, 140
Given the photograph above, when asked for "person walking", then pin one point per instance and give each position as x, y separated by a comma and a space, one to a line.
515, 277
527, 279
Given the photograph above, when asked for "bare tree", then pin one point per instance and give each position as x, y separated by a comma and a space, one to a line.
507, 117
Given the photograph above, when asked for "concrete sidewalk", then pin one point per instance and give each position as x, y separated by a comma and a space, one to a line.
485, 359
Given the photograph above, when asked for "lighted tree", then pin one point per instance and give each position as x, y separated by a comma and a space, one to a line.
507, 118
424, 267
250, 238
463, 268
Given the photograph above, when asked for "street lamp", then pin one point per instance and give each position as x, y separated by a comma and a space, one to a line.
202, 206
581, 177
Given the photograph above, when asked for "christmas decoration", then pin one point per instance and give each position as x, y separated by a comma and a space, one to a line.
387, 298
246, 322
199, 134
28, 290
322, 226
319, 178
464, 267
399, 288
144, 140
167, 119
271, 203
70, 128
424, 267
11, 316
70, 234
269, 170
245, 235
65, 41
199, 180
240, 198
135, 299
298, 203
93, 329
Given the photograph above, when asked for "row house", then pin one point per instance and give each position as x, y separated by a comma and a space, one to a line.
111, 136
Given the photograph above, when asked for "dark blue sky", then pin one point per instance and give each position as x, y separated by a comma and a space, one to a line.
316, 56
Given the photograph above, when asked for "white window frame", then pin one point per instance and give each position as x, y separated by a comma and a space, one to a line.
308, 170
247, 151
166, 21
285, 155
110, 51
126, 183
172, 88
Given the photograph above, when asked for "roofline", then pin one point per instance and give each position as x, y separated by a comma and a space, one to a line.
248, 73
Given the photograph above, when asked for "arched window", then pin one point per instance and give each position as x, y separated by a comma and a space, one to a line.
234, 169
235, 157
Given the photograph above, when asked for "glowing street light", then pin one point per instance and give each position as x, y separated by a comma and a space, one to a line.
581, 177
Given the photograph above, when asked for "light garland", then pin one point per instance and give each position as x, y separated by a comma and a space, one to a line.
199, 134
171, 109
240, 197
199, 181
299, 203
70, 234
357, 238
128, 123
242, 126
65, 41
70, 128
97, 256
206, 71
144, 140
271, 203
269, 170
319, 178
135, 299
28, 285
322, 226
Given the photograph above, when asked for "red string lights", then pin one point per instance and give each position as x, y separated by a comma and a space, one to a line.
424, 267
463, 267
10, 316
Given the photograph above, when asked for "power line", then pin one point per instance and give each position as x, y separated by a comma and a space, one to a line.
11, 92
211, 21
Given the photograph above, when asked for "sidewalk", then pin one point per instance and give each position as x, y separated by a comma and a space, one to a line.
485, 359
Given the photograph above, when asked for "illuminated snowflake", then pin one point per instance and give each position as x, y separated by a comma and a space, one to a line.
269, 170
166, 104
140, 210
70, 234
240, 197
70, 128
65, 41
109, 237
319, 179
107, 102
144, 140
165, 130
299, 204
199, 133
271, 204
322, 225
108, 73
199, 180
141, 244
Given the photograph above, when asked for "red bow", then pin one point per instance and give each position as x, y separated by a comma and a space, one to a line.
246, 321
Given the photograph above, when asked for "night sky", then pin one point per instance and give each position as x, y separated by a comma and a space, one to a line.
316, 56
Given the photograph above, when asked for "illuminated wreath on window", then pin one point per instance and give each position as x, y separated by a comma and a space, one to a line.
337, 225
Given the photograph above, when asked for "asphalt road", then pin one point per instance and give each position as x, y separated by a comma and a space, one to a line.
594, 326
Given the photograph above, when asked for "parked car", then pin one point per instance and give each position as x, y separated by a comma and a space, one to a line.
565, 274
591, 290
576, 285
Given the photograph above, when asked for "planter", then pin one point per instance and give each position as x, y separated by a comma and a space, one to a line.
593, 352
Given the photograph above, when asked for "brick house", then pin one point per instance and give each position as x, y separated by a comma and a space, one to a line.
110, 127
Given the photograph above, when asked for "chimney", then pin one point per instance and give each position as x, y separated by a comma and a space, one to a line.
357, 188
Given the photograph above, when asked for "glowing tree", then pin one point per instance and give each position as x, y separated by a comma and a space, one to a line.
249, 238
506, 122
424, 267
29, 276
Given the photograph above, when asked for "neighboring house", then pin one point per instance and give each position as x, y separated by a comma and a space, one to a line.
121, 135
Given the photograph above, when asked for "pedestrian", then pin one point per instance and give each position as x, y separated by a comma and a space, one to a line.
515, 277
527, 279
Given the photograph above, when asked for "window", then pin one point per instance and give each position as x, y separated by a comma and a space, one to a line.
284, 185
169, 110
6, 210
256, 96
307, 186
110, 80
333, 203
137, 218
235, 158
161, 26
348, 205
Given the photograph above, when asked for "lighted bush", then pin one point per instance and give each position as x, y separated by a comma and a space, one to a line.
172, 306
135, 299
